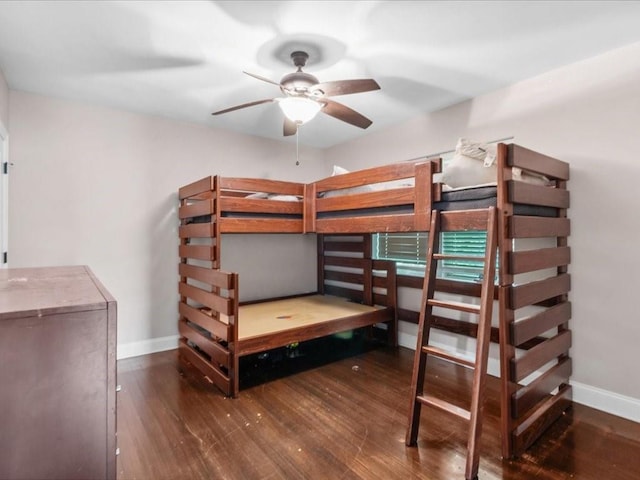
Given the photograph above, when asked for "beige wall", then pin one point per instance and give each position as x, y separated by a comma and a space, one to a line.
589, 115
97, 186
4, 101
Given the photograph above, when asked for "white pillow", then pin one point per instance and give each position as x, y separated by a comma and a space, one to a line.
338, 170
260, 195
284, 198
473, 164
528, 177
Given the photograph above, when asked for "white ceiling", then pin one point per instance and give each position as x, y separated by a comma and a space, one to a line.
184, 60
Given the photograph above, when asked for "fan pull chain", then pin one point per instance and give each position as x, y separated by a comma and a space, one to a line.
297, 146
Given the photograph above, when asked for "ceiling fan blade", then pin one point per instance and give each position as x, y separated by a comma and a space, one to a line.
345, 87
264, 79
244, 105
290, 127
344, 113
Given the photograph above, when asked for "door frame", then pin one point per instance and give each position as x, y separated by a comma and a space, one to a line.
4, 194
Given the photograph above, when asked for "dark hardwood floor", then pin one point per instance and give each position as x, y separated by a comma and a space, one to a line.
340, 420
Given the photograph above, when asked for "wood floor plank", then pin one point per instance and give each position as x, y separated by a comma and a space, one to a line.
344, 420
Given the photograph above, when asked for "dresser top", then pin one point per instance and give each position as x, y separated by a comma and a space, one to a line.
49, 290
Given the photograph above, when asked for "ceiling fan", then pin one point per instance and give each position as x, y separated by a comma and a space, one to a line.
305, 96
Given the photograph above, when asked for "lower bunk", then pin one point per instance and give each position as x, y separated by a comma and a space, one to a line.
216, 331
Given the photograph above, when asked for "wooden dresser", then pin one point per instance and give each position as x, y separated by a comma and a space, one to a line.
57, 375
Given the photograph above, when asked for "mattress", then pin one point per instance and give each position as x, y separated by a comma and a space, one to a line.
469, 198
484, 197
259, 319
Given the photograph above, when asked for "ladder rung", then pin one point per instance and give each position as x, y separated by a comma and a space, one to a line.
438, 352
444, 256
462, 307
443, 405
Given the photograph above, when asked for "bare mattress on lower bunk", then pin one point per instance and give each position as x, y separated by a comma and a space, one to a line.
274, 317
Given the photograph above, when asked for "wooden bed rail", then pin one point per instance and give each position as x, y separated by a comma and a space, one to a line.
358, 202
531, 161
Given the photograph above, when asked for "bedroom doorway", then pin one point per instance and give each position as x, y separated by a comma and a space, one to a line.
4, 195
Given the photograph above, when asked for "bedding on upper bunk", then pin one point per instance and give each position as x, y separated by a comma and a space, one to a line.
473, 176
474, 163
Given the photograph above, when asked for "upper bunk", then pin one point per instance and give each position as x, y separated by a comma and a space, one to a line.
218, 204
392, 198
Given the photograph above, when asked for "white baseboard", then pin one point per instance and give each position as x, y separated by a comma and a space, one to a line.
610, 402
145, 347
594, 397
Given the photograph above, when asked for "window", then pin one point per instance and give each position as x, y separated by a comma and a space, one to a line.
409, 251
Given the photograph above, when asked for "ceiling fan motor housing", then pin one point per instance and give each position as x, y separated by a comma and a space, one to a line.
298, 82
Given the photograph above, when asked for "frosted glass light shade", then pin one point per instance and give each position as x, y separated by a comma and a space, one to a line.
299, 109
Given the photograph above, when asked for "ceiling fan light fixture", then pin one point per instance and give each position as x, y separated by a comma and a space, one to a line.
299, 109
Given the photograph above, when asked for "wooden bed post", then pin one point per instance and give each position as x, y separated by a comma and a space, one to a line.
309, 211
506, 315
391, 286
234, 367
423, 196
217, 243
367, 270
321, 262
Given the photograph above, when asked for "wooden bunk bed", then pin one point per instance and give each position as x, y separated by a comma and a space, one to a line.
534, 348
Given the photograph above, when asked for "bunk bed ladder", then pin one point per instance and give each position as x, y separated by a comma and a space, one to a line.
423, 349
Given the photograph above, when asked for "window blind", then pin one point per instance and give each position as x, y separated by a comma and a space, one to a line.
409, 251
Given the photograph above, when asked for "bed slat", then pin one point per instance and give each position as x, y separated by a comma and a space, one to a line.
211, 300
351, 294
343, 246
536, 292
197, 252
250, 205
548, 412
197, 209
463, 220
521, 226
521, 192
350, 262
368, 176
256, 225
370, 224
212, 324
540, 355
218, 378
215, 278
203, 185
261, 185
530, 327
531, 260
218, 354
196, 230
346, 277
536, 162
528, 396
356, 201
